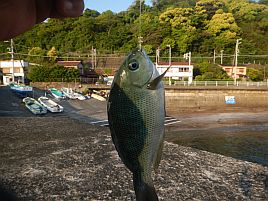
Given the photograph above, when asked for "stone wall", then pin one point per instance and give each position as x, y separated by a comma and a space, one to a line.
210, 99
59, 85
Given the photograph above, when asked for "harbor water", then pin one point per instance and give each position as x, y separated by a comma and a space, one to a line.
249, 143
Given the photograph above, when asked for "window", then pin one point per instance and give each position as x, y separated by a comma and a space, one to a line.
6, 70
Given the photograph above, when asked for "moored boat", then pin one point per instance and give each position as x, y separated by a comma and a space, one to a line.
21, 89
34, 106
50, 104
98, 97
79, 96
56, 93
68, 92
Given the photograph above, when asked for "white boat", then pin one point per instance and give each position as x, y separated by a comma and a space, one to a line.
34, 106
79, 96
98, 97
50, 104
68, 92
56, 93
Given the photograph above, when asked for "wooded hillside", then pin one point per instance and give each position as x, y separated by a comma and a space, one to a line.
187, 25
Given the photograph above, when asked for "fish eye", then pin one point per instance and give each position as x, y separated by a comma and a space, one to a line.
134, 65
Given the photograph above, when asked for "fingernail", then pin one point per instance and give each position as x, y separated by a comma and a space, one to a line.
68, 5
72, 8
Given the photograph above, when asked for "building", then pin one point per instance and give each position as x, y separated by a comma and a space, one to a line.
85, 68
178, 70
14, 68
239, 71
72, 64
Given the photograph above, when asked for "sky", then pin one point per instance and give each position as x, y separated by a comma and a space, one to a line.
113, 5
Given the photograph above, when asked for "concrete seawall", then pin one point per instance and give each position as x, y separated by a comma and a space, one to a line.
195, 98
214, 98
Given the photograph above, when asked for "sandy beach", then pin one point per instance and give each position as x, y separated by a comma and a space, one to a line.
65, 157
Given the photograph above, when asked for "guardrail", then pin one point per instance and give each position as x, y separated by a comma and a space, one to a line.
218, 83
94, 81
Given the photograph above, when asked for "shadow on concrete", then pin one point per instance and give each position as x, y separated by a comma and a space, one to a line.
88, 111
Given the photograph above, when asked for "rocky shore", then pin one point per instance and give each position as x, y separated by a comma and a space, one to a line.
63, 157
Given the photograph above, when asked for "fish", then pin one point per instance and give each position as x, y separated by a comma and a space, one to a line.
136, 115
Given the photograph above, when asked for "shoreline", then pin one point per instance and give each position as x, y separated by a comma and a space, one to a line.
216, 119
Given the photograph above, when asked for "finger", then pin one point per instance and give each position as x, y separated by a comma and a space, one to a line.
43, 9
16, 17
58, 9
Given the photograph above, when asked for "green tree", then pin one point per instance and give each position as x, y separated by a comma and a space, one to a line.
36, 55
52, 54
207, 71
222, 30
183, 30
209, 7
38, 73
254, 74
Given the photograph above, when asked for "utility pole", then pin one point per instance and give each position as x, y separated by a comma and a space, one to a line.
222, 57
12, 58
169, 61
11, 52
169, 58
214, 56
157, 55
188, 57
93, 57
236, 55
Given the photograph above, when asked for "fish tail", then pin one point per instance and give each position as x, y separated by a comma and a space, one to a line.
144, 191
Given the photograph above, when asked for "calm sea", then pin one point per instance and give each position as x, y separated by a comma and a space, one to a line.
248, 143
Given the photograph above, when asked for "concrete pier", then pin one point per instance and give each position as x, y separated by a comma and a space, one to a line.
63, 159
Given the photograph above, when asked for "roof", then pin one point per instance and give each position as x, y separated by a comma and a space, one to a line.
69, 63
238, 66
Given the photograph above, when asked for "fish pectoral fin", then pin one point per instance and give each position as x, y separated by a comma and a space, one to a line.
153, 84
108, 106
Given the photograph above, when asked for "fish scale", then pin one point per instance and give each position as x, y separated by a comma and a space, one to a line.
136, 117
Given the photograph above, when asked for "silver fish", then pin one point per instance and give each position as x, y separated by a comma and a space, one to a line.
136, 114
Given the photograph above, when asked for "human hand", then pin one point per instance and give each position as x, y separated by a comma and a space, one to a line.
18, 16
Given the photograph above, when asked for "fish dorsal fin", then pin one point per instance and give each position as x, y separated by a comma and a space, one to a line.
153, 84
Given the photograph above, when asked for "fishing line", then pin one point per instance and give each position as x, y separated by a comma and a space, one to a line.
140, 24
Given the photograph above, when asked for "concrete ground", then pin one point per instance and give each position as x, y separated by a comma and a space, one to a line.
64, 157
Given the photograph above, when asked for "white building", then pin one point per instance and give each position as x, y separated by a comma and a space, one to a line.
178, 70
13, 68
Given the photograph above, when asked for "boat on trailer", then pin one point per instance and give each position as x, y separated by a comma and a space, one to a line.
50, 104
34, 106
